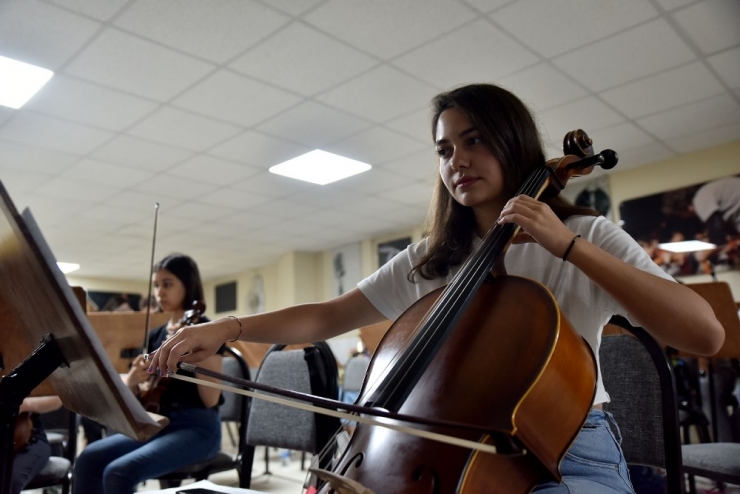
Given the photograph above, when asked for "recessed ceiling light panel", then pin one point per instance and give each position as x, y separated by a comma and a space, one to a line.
320, 167
20, 81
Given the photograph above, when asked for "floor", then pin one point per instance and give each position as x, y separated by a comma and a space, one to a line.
287, 474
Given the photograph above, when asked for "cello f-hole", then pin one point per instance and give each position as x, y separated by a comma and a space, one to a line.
428, 474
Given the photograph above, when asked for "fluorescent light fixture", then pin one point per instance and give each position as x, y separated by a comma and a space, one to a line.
68, 267
687, 246
320, 167
20, 81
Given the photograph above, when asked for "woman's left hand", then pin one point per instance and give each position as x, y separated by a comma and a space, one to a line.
538, 222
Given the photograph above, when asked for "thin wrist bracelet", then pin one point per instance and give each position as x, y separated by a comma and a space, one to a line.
565, 256
240, 329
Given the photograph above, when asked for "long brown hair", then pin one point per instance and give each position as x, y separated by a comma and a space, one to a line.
506, 126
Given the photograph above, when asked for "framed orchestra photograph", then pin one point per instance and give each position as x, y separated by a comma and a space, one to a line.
707, 212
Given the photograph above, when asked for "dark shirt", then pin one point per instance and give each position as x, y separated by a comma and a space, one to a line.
177, 394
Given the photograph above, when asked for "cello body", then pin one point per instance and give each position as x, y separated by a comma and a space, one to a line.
513, 365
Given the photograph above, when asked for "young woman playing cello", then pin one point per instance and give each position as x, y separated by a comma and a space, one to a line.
116, 464
488, 144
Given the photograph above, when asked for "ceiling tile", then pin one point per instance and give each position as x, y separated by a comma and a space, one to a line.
668, 89
375, 181
695, 117
417, 194
542, 86
235, 98
639, 155
33, 159
487, 5
189, 26
727, 65
42, 34
86, 103
639, 52
248, 219
712, 25
588, 114
196, 210
448, 61
313, 125
52, 133
621, 136
370, 95
101, 11
139, 153
554, 27
273, 186
303, 60
176, 187
419, 165
294, 7
233, 198
258, 149
77, 190
284, 209
183, 129
416, 124
143, 201
102, 173
673, 4
387, 28
706, 138
18, 182
204, 168
376, 145
134, 65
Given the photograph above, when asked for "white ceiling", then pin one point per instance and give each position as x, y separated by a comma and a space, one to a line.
189, 102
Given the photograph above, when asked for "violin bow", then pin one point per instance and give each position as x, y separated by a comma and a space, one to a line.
145, 345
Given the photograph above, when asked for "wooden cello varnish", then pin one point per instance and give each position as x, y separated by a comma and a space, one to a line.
510, 365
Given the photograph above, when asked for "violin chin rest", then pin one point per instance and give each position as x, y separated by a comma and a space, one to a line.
342, 485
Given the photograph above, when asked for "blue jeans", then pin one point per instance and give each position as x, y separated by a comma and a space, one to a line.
116, 464
594, 464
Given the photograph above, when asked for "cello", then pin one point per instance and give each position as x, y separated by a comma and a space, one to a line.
457, 355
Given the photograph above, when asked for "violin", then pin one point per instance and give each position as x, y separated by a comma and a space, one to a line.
489, 350
155, 386
23, 430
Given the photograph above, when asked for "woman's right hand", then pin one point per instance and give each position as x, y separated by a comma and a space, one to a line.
191, 344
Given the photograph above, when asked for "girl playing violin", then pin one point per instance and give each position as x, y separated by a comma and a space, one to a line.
116, 464
488, 144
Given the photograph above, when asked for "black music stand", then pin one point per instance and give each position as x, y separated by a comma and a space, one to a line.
70, 354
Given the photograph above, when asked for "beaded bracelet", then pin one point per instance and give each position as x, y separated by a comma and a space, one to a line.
572, 243
240, 329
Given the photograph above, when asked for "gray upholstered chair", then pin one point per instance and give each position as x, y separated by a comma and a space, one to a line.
233, 411
312, 370
639, 379
354, 373
716, 461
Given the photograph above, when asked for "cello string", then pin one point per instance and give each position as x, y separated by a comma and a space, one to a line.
471, 273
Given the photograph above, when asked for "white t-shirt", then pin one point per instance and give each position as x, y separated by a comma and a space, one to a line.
585, 304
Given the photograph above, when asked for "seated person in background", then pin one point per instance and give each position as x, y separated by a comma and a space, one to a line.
116, 464
31, 458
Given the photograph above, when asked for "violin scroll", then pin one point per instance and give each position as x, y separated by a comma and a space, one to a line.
578, 143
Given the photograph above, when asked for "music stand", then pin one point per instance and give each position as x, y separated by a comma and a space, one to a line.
69, 353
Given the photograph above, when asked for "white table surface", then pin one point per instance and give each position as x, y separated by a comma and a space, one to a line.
206, 485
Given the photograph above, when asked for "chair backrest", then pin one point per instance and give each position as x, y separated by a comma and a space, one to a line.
311, 370
638, 377
354, 372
